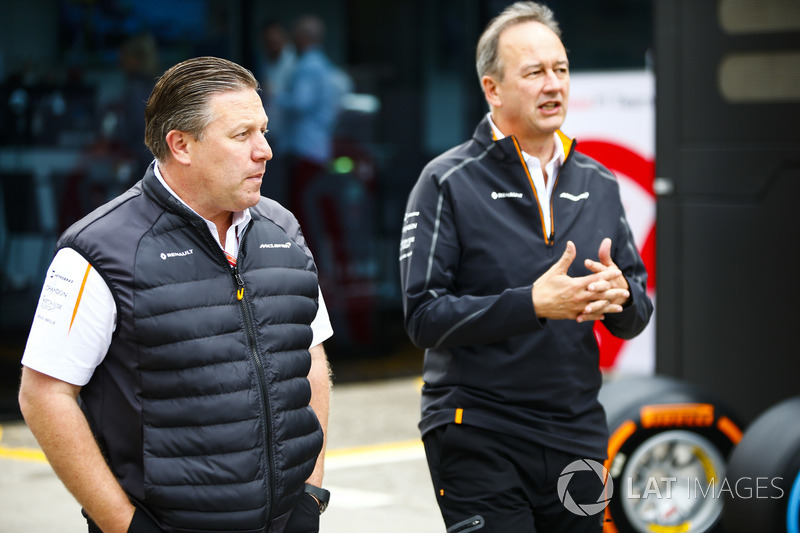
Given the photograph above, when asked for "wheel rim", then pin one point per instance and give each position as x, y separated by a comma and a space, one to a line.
672, 484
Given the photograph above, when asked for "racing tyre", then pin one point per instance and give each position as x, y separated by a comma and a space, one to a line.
667, 455
764, 474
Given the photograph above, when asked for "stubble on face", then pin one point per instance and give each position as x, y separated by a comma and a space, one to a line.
229, 160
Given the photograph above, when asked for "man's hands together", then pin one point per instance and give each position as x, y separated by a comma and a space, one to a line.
559, 296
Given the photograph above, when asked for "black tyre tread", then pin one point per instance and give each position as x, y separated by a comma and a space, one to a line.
770, 448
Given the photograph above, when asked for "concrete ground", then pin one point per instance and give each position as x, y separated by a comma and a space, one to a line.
375, 469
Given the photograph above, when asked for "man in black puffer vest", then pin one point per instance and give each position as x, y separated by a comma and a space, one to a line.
186, 316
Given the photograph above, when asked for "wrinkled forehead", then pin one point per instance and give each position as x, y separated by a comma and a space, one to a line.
237, 107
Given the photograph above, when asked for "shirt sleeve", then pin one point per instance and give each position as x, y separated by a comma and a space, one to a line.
73, 323
321, 326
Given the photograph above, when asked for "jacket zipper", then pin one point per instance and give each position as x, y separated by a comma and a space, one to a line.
548, 239
552, 239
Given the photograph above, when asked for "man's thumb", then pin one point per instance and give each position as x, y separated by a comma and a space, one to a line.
604, 253
566, 258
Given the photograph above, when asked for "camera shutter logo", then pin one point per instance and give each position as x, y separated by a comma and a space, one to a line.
585, 509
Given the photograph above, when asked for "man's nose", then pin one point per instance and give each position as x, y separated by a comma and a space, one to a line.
553, 82
262, 149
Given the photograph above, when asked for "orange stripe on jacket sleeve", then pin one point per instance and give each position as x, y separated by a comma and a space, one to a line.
80, 295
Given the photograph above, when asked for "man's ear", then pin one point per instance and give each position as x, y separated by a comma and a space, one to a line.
179, 142
491, 91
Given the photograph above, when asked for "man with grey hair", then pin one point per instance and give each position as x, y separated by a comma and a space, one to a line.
174, 374
493, 293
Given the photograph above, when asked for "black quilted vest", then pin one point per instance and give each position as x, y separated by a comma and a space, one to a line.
201, 404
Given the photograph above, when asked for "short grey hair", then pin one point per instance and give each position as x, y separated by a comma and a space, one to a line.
180, 98
487, 58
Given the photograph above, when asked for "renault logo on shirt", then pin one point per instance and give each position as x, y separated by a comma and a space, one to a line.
500, 195
167, 255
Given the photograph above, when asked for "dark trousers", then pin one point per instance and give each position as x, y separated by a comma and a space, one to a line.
489, 482
304, 519
141, 523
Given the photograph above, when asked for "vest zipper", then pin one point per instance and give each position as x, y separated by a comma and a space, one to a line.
262, 382
259, 366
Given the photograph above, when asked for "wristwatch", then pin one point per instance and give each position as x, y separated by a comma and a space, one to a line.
321, 495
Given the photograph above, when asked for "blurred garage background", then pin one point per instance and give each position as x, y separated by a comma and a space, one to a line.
74, 75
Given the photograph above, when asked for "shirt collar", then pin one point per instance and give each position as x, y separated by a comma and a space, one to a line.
239, 218
558, 154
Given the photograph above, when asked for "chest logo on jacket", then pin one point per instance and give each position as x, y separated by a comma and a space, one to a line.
568, 196
500, 195
169, 255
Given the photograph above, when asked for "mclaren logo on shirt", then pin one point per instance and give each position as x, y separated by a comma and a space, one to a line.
169, 255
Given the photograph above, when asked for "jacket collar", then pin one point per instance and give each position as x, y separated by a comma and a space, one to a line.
155, 190
508, 147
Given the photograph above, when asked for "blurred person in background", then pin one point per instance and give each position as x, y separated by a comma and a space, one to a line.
279, 57
140, 63
309, 106
277, 64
